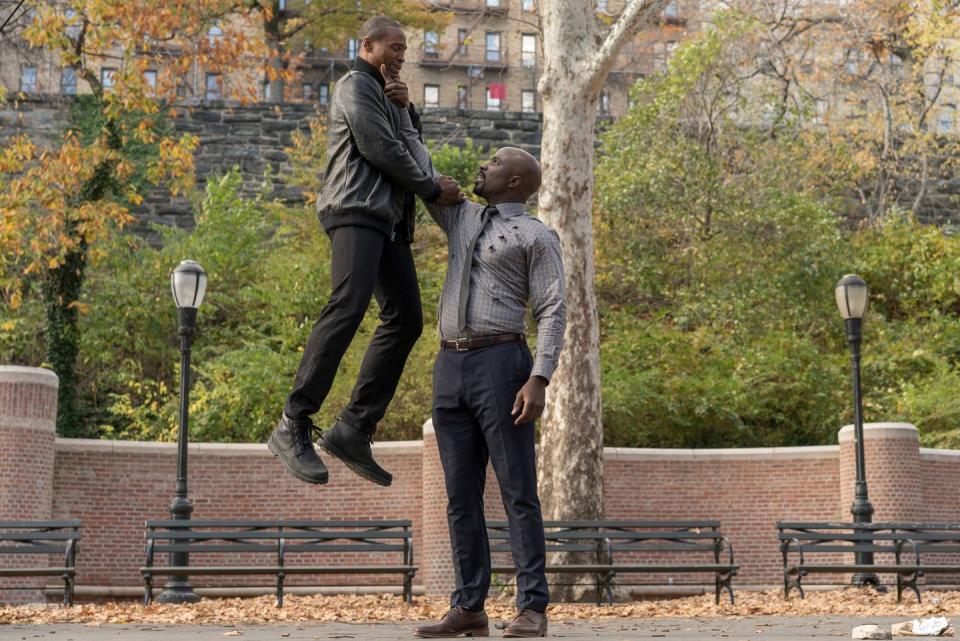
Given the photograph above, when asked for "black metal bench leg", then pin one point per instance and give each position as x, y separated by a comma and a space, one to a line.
67, 589
608, 586
408, 588
280, 590
147, 589
910, 582
724, 581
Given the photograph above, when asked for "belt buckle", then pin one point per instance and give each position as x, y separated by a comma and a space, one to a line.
459, 344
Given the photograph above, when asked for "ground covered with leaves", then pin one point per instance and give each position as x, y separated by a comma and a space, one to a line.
388, 608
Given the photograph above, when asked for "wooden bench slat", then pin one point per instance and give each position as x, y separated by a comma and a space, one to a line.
39, 536
270, 569
44, 571
627, 523
275, 523
37, 525
34, 549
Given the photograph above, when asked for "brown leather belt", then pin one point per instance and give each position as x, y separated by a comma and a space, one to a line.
464, 344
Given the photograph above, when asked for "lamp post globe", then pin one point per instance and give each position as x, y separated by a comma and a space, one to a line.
188, 283
852, 296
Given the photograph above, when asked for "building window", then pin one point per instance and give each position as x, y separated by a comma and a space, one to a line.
352, 48
150, 77
493, 46
821, 111
496, 94
671, 10
68, 81
528, 5
493, 3
307, 91
945, 120
430, 40
528, 50
324, 94
107, 78
853, 61
214, 34
528, 101
602, 6
462, 41
213, 87
28, 79
431, 96
603, 104
265, 91
181, 89
462, 102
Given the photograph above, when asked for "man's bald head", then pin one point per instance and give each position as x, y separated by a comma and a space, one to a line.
511, 175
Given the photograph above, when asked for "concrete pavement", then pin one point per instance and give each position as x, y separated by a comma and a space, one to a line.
752, 629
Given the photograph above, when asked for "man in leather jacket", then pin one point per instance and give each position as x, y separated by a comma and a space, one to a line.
366, 206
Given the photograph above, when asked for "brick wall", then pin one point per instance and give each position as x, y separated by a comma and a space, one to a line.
114, 486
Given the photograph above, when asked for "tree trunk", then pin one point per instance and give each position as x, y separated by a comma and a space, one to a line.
577, 59
271, 29
61, 288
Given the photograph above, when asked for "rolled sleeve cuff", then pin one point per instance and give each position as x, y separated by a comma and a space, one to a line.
543, 366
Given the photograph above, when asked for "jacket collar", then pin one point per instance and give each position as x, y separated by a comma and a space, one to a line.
362, 65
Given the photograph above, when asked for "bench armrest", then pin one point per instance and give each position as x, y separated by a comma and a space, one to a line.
916, 550
720, 541
785, 549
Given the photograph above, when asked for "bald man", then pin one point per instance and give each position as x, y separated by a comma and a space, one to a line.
487, 388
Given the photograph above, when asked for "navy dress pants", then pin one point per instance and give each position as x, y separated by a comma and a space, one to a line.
473, 396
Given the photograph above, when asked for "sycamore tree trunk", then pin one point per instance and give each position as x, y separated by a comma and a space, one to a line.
578, 56
272, 33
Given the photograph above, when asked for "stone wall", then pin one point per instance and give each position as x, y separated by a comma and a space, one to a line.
253, 137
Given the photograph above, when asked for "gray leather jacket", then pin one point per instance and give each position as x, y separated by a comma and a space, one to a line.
369, 171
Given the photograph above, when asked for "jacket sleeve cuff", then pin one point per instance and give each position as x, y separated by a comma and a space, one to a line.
434, 193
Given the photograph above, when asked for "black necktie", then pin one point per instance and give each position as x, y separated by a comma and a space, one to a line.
467, 264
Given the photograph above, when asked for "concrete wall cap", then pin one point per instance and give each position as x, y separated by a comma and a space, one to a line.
36, 375
428, 427
725, 454
208, 449
880, 430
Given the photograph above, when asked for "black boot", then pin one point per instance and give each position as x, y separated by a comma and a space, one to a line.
353, 448
290, 441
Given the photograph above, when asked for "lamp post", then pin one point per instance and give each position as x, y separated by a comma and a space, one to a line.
852, 295
188, 283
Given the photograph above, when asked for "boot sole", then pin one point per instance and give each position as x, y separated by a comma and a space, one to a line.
515, 635
295, 473
335, 452
476, 632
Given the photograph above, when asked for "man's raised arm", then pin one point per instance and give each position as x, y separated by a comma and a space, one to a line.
441, 213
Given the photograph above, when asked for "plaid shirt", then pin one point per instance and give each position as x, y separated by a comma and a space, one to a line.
517, 260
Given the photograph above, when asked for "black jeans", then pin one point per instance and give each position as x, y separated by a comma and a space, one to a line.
365, 263
473, 394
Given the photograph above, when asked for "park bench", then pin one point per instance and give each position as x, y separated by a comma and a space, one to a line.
277, 540
906, 543
677, 547
44, 538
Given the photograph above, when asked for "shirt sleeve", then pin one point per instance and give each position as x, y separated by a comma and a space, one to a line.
545, 269
371, 130
442, 214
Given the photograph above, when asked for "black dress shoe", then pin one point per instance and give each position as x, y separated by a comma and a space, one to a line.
458, 621
290, 442
353, 448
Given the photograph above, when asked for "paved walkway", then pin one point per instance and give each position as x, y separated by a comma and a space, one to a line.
752, 629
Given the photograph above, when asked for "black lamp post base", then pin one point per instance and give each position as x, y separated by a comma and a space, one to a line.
178, 593
867, 580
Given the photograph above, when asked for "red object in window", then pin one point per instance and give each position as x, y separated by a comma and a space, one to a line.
498, 91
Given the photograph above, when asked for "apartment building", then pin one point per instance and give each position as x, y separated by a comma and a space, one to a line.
490, 57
